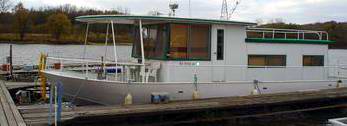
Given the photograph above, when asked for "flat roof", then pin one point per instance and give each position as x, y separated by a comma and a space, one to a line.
131, 19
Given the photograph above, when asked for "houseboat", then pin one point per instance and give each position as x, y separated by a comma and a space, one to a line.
189, 58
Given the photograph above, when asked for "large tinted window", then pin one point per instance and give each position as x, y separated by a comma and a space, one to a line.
178, 41
313, 60
188, 41
266, 60
174, 41
198, 47
154, 40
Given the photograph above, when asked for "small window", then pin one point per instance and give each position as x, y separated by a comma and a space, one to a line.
313, 60
220, 44
266, 60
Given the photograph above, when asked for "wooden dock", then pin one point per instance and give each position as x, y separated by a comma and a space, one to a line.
9, 114
195, 111
175, 112
15, 85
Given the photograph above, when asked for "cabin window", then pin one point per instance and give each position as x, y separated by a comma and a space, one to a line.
154, 40
179, 41
198, 47
174, 42
220, 44
266, 60
309, 60
189, 42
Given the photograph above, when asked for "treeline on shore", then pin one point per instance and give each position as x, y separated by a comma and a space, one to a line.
56, 25
52, 25
337, 30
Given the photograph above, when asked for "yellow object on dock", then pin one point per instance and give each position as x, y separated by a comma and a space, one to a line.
42, 66
195, 95
128, 99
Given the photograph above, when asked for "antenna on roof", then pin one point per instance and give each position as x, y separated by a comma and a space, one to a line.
237, 2
173, 6
224, 12
225, 15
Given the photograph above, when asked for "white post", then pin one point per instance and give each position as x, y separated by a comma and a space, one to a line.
263, 35
114, 48
106, 41
85, 49
143, 69
55, 105
114, 43
61, 65
85, 41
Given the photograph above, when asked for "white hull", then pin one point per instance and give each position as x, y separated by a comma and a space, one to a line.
113, 93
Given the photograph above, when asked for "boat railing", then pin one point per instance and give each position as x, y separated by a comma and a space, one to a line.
90, 67
269, 33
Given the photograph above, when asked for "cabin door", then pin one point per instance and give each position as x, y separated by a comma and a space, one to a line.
218, 56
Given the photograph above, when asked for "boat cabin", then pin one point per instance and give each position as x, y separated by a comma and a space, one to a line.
172, 49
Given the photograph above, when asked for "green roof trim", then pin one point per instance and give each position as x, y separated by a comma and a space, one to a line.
96, 18
292, 41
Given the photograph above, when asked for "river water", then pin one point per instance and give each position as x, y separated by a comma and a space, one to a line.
29, 54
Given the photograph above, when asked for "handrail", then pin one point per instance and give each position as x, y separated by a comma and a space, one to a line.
249, 66
299, 33
94, 61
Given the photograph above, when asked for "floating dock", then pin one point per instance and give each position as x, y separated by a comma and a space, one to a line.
176, 112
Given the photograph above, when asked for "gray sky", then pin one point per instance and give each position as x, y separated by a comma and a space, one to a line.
293, 11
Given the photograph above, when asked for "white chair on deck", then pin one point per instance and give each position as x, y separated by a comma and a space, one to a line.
153, 71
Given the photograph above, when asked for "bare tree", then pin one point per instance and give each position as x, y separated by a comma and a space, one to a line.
21, 20
5, 5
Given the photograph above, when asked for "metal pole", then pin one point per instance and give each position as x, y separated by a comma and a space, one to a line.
114, 43
60, 100
114, 48
85, 41
56, 106
50, 104
106, 42
142, 52
85, 49
11, 65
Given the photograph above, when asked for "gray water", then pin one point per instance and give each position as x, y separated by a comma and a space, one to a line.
28, 54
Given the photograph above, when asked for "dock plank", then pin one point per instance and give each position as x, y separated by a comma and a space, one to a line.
14, 118
7, 109
3, 119
13, 85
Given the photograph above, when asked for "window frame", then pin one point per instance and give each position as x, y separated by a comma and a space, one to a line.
266, 56
167, 45
222, 43
311, 56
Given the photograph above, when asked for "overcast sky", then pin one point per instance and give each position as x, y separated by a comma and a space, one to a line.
293, 11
